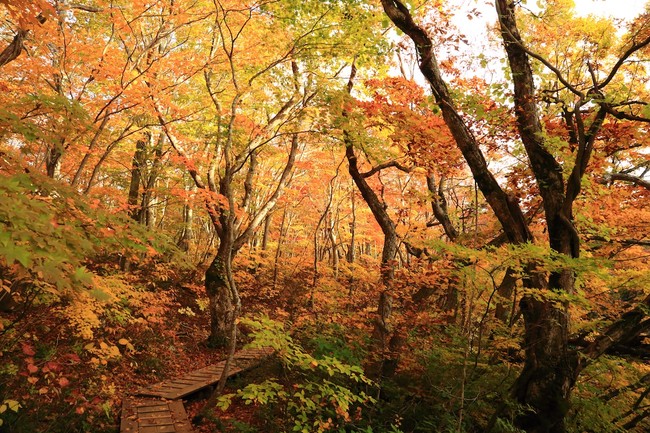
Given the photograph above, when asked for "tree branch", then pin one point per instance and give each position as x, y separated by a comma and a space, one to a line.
628, 327
388, 164
13, 50
638, 181
621, 61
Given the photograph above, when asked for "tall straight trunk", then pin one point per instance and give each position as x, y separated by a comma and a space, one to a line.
147, 214
278, 250
265, 232
353, 227
187, 234
331, 237
137, 165
318, 254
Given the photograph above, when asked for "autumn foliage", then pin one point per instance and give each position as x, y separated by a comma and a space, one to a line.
423, 252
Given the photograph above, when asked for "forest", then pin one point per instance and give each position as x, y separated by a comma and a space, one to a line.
435, 214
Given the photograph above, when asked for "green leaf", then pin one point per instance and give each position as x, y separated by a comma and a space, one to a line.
100, 295
82, 275
646, 111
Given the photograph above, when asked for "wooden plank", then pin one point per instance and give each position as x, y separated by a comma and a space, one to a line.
181, 421
157, 429
128, 423
206, 376
154, 416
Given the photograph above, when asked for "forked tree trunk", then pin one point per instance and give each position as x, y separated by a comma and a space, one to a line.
551, 367
547, 378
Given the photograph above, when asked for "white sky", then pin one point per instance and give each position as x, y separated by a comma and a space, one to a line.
476, 29
624, 9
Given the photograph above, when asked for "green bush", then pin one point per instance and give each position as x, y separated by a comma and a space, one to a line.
317, 395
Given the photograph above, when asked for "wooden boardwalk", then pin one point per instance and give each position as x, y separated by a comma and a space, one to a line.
165, 413
204, 377
140, 415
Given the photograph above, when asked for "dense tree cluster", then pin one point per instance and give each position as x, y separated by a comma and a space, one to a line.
433, 235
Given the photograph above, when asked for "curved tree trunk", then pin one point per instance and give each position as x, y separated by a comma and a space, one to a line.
383, 329
547, 378
551, 367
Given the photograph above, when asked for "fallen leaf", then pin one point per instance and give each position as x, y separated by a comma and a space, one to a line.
28, 349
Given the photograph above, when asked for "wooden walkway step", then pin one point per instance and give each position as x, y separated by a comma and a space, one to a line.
204, 377
146, 415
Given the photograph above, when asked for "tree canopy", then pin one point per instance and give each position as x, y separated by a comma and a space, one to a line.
436, 227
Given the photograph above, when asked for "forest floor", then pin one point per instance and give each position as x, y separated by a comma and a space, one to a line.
70, 378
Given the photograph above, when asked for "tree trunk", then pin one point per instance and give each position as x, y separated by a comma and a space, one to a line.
89, 152
505, 293
353, 226
53, 161
439, 206
187, 235
147, 214
278, 250
331, 237
13, 50
221, 291
137, 165
383, 328
265, 232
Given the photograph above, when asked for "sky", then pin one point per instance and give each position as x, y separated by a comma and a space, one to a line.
625, 9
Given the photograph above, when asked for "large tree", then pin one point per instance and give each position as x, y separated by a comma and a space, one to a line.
551, 365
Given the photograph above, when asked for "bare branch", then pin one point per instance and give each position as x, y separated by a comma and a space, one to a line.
388, 164
638, 181
621, 61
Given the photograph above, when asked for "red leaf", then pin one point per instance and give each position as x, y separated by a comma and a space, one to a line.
28, 349
53, 366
